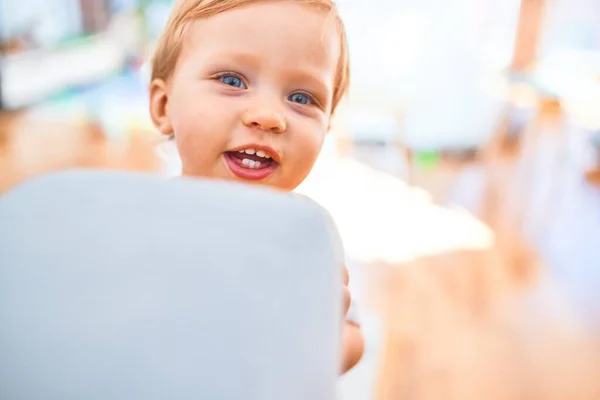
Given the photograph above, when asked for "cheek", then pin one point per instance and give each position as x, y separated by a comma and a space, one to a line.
311, 146
306, 149
311, 138
199, 128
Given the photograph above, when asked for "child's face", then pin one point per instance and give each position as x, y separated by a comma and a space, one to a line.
253, 83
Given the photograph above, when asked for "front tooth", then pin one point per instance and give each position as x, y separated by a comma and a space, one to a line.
242, 151
256, 164
261, 153
250, 151
246, 162
267, 155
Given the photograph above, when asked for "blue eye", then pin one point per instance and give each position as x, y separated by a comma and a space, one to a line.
300, 99
232, 80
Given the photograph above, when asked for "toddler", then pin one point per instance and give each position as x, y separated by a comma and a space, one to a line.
248, 88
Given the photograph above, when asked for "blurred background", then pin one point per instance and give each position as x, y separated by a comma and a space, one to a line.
462, 171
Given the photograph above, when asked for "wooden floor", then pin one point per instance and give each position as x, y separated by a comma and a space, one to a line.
517, 318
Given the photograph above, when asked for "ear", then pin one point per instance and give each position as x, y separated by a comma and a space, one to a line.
159, 98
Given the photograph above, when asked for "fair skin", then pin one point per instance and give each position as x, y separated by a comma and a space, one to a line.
253, 104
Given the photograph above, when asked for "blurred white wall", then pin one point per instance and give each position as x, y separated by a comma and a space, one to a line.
430, 59
571, 25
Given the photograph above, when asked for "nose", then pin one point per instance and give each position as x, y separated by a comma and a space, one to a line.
264, 118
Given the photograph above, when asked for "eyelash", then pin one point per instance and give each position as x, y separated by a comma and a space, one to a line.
222, 75
312, 100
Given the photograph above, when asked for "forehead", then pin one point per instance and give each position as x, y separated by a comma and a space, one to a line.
280, 33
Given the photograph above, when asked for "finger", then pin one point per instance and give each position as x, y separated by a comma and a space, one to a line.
353, 347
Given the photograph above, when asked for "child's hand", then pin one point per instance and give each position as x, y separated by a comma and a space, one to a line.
353, 343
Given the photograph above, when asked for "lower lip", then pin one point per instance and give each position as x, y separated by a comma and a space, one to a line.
247, 173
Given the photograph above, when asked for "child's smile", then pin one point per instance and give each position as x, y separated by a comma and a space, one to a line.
252, 162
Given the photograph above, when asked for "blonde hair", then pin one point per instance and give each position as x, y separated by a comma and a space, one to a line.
186, 11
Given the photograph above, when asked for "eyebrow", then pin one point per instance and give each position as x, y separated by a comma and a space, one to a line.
237, 58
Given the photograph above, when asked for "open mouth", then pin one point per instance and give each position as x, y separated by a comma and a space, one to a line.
251, 164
